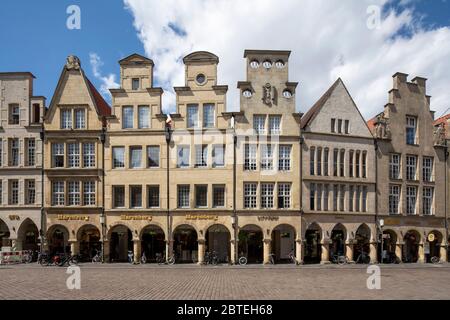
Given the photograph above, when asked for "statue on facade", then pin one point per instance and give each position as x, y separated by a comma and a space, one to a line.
73, 63
382, 128
268, 94
439, 135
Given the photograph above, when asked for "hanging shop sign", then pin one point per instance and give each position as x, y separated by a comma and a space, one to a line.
431, 237
66, 217
202, 217
136, 217
268, 218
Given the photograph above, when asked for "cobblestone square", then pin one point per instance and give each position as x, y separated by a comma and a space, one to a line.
192, 282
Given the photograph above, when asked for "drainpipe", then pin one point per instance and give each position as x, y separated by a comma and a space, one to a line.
103, 217
41, 232
379, 230
168, 134
301, 142
235, 225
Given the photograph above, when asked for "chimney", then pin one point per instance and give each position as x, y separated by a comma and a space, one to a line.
421, 83
399, 78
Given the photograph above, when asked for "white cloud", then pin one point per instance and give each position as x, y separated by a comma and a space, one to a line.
108, 81
328, 39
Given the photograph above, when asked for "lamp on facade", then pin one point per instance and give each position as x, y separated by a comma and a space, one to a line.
102, 220
103, 135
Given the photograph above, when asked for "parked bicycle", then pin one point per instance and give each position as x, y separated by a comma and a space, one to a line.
339, 259
161, 259
390, 257
143, 258
242, 260
211, 258
363, 258
291, 257
435, 260
68, 259
97, 257
130, 257
27, 256
272, 258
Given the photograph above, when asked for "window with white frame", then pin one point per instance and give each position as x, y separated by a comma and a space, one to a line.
153, 196
319, 197
394, 166
13, 192
266, 157
284, 195
201, 156
89, 193
326, 190
74, 193
66, 119
135, 157
250, 157
30, 191
312, 196
183, 152
127, 117
274, 125
192, 116
312, 160
267, 195
201, 196
14, 157
250, 195
411, 167
135, 84
143, 117
58, 155
88, 155
218, 156
118, 154
31, 151
319, 162
14, 114
58, 196
73, 155
153, 156
364, 199
118, 196
80, 118
136, 196
351, 193
411, 199
411, 128
394, 199
208, 115
259, 124
428, 201
326, 154
218, 196
183, 196
284, 157
427, 169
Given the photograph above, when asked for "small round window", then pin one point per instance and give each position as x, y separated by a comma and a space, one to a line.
247, 93
267, 64
254, 64
200, 79
279, 64
287, 94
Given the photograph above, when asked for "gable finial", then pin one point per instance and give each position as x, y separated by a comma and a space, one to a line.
73, 63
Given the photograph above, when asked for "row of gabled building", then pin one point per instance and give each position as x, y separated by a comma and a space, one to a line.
80, 175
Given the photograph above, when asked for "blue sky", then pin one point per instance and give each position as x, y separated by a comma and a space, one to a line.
38, 41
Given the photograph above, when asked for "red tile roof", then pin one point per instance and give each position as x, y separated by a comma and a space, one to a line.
103, 107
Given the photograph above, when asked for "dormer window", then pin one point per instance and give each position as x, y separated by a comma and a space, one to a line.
280, 64
135, 84
14, 114
411, 128
287, 94
254, 64
247, 93
66, 119
267, 64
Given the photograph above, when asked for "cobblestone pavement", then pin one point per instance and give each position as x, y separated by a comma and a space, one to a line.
192, 282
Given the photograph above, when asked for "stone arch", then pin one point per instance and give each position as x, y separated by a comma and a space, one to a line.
250, 243
89, 241
118, 224
434, 246
283, 241
217, 239
186, 223
361, 242
412, 240
185, 242
150, 225
313, 243
338, 238
213, 223
4, 234
28, 235
120, 238
58, 239
153, 241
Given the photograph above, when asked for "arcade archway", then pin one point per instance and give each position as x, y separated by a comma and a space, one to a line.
251, 243
338, 236
433, 245
411, 247
361, 248
58, 237
121, 241
153, 242
185, 244
218, 240
283, 242
89, 239
4, 235
313, 246
28, 235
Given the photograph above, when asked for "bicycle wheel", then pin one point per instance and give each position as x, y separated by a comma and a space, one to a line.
342, 260
271, 260
434, 260
171, 260
242, 261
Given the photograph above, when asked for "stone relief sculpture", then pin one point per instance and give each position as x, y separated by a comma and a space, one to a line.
268, 94
382, 128
73, 63
439, 135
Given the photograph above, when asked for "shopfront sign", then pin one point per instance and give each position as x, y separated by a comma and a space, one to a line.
14, 217
268, 218
202, 217
431, 237
136, 217
67, 217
